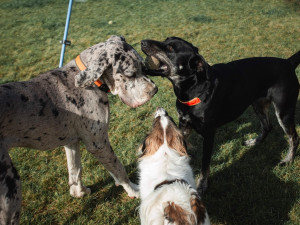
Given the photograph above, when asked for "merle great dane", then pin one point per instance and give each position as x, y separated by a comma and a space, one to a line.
62, 107
211, 96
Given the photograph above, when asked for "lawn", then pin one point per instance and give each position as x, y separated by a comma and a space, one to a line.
245, 187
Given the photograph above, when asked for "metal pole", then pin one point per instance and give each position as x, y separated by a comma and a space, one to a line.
65, 41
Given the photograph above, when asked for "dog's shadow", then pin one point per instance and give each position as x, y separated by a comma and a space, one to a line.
103, 192
246, 186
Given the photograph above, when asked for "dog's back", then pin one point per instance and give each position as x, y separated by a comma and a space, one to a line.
32, 111
167, 186
165, 164
176, 203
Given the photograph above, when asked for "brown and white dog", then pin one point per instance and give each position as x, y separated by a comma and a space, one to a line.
167, 186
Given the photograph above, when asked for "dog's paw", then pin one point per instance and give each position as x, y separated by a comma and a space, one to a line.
78, 191
250, 142
285, 162
132, 190
133, 194
288, 159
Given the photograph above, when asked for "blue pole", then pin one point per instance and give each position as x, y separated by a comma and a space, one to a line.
64, 41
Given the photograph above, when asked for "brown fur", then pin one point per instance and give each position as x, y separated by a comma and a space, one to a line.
199, 210
154, 140
175, 214
175, 139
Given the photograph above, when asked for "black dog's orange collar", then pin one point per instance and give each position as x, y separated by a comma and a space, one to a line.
82, 67
192, 102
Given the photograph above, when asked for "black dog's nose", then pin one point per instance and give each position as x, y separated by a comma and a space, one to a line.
144, 43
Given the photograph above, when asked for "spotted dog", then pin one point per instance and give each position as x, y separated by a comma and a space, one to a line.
65, 106
209, 96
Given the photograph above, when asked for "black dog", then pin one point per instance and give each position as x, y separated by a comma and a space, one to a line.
210, 96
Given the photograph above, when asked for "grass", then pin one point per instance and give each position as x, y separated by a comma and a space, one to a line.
246, 187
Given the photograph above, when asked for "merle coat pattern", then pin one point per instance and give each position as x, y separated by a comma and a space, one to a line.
62, 107
225, 91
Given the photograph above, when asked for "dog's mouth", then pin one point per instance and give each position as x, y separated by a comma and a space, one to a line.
131, 104
156, 61
155, 66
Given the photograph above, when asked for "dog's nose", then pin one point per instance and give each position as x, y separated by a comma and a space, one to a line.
144, 43
160, 112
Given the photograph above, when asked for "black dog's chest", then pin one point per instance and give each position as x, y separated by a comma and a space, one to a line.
195, 116
210, 115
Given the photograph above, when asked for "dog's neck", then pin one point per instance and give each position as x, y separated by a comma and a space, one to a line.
81, 66
197, 85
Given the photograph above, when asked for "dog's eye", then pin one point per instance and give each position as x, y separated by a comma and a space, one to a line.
170, 48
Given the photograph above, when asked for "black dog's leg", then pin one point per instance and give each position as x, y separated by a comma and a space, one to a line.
285, 105
285, 118
208, 142
261, 107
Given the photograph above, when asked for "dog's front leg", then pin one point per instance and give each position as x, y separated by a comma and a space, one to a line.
208, 142
77, 189
107, 157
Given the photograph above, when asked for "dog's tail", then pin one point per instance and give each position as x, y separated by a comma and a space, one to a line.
295, 60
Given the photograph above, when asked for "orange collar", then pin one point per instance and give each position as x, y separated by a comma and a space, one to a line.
82, 67
192, 102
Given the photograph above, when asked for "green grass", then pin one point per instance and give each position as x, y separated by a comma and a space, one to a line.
245, 187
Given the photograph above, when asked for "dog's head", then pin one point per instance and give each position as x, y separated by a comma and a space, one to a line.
164, 130
178, 58
119, 66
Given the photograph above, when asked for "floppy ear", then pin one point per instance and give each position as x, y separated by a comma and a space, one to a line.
92, 73
141, 149
176, 140
197, 64
153, 141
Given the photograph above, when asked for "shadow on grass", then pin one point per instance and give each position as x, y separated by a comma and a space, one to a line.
103, 192
247, 190
294, 3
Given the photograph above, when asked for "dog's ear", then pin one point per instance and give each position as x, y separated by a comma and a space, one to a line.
141, 149
176, 140
197, 64
92, 73
153, 140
